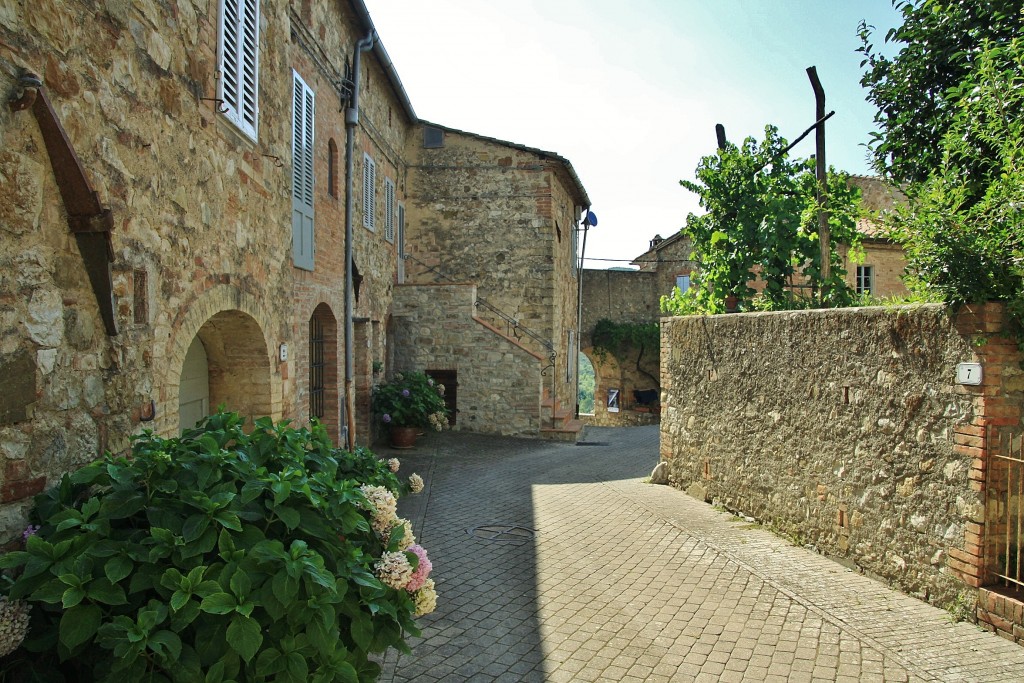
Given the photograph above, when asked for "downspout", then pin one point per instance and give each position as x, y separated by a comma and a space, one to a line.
579, 309
351, 121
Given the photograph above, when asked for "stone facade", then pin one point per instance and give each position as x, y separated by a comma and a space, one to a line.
208, 274
847, 430
503, 217
499, 379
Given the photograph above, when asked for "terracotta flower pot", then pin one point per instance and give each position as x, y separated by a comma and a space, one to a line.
404, 437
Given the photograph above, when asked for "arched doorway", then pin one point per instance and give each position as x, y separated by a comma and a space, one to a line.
323, 370
588, 385
237, 370
194, 387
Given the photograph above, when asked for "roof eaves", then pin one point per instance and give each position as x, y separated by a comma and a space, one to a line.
359, 7
544, 154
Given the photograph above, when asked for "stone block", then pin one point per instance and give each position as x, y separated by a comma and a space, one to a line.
19, 373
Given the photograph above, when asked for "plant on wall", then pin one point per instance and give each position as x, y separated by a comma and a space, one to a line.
223, 555
622, 340
761, 223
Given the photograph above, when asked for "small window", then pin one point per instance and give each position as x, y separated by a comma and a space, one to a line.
389, 210
238, 53
369, 190
865, 279
683, 282
332, 168
433, 137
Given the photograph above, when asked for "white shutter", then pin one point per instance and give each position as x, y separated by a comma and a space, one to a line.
369, 187
238, 59
302, 173
389, 210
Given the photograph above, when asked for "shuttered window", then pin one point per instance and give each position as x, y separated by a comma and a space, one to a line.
389, 210
238, 63
302, 173
369, 188
400, 247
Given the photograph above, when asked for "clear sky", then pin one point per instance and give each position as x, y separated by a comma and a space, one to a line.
629, 91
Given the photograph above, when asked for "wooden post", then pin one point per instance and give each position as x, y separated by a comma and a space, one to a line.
820, 172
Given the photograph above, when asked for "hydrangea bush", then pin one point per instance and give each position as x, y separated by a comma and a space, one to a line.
221, 556
411, 399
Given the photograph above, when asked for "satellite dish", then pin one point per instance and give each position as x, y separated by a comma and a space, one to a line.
591, 219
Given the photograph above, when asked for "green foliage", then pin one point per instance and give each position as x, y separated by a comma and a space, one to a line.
918, 89
761, 222
621, 339
411, 399
963, 231
218, 556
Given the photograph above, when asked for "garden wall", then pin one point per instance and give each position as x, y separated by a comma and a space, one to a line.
847, 430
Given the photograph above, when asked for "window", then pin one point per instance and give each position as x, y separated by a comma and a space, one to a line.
571, 356
683, 282
316, 368
332, 168
369, 187
238, 53
865, 279
302, 173
433, 137
389, 210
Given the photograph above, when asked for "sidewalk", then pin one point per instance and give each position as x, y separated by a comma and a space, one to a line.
555, 562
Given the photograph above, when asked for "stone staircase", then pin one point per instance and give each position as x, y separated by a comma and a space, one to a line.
560, 423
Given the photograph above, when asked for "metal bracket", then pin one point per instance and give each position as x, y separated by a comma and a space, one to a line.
221, 107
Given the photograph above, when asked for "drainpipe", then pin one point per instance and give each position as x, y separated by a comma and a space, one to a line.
579, 307
351, 121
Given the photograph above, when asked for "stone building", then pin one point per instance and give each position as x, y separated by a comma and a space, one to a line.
503, 217
173, 225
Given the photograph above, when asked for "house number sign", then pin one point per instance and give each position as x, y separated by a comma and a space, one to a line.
968, 373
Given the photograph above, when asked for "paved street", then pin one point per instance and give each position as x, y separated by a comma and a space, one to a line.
556, 562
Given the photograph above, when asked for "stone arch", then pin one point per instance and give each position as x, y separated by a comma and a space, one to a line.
607, 374
321, 372
232, 326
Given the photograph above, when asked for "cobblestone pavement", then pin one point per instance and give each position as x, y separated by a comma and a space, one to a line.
556, 562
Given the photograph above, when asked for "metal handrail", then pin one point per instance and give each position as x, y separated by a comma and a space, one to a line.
515, 325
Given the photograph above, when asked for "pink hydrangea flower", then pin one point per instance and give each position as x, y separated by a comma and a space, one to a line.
422, 571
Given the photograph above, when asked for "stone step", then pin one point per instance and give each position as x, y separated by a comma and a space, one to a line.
570, 432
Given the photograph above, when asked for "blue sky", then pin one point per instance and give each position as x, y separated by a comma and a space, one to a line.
630, 91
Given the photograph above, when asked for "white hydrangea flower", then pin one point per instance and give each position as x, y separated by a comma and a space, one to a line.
394, 464
415, 483
14, 617
425, 598
393, 569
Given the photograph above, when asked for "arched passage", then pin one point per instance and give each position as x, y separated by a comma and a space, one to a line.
238, 367
588, 385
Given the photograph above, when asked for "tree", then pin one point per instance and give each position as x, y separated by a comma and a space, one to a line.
761, 223
964, 230
916, 91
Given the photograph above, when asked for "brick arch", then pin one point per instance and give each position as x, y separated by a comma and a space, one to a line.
326, 324
607, 373
243, 371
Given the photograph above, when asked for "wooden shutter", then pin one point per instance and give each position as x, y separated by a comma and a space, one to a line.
369, 187
302, 173
400, 247
389, 210
238, 86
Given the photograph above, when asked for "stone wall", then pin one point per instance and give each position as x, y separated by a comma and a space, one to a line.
499, 381
846, 429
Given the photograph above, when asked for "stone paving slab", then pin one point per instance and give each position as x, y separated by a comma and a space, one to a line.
625, 581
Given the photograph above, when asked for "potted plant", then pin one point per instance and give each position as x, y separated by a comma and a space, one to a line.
409, 403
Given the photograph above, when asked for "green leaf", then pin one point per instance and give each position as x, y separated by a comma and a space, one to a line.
240, 584
72, 596
219, 603
215, 674
15, 558
118, 568
178, 599
297, 668
166, 643
362, 631
103, 590
244, 636
288, 515
285, 587
79, 624
229, 520
194, 527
